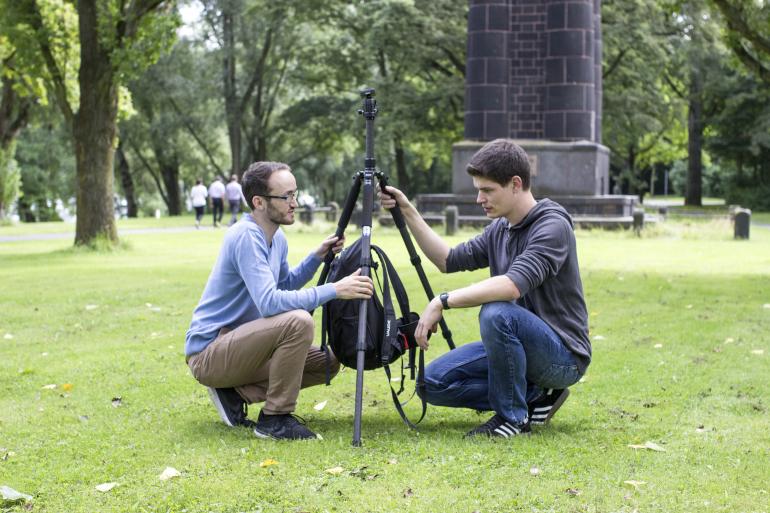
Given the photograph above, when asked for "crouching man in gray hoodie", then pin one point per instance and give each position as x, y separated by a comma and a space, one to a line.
533, 320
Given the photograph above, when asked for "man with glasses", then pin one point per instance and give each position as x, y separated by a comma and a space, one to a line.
250, 336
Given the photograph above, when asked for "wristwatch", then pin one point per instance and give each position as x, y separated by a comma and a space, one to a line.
444, 297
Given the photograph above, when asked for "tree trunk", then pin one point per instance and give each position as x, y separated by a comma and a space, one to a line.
401, 174
94, 130
169, 173
693, 194
14, 112
127, 181
232, 109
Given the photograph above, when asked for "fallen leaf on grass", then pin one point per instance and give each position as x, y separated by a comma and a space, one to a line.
758, 351
8, 336
534, 471
49, 387
168, 473
106, 487
766, 305
92, 307
658, 346
268, 462
729, 340
320, 406
635, 484
598, 337
363, 474
648, 445
689, 307
335, 471
10, 495
408, 493
392, 461
67, 387
573, 491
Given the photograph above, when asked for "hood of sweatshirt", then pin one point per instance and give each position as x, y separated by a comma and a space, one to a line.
543, 207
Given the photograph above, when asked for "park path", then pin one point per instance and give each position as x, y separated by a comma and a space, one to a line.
141, 231
71, 235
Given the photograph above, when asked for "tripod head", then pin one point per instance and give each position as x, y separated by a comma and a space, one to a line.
370, 104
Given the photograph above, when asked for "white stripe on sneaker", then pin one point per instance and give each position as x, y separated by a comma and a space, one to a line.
502, 432
219, 406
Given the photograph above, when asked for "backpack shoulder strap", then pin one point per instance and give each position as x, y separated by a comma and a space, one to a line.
419, 386
395, 280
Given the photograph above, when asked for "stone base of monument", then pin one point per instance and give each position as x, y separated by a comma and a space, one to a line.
574, 174
557, 168
608, 211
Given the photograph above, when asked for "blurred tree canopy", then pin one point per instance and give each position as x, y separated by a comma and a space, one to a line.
97, 92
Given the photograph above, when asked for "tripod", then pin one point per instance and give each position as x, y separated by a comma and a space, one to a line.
366, 178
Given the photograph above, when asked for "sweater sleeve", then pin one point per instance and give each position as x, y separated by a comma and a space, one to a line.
251, 259
470, 255
546, 251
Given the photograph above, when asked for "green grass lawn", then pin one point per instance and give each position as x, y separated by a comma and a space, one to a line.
679, 318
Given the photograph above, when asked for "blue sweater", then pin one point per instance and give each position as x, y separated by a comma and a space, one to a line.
252, 280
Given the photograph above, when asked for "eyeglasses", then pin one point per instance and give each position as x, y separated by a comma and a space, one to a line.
288, 198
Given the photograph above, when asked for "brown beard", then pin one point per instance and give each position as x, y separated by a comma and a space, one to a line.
275, 216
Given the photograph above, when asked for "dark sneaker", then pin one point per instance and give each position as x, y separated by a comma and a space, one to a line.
230, 406
541, 410
499, 427
282, 427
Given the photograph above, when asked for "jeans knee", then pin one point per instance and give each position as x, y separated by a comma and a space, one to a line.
493, 314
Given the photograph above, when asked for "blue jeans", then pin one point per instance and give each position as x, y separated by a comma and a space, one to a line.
518, 356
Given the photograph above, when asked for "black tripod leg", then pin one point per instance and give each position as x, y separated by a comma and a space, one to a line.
366, 233
347, 211
398, 218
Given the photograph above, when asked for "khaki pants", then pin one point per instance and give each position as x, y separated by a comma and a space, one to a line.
268, 359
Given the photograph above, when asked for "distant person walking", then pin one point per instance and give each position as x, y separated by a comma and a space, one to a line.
198, 196
234, 198
217, 194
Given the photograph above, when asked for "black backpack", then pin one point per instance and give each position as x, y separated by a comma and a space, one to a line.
388, 337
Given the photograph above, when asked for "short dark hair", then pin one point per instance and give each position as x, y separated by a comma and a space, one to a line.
254, 181
500, 160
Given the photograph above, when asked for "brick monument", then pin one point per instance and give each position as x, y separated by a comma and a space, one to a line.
534, 74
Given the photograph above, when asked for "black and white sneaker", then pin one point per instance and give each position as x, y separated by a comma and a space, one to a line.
499, 427
282, 427
541, 410
230, 406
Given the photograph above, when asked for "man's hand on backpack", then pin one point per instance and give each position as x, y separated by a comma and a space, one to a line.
330, 242
428, 323
354, 286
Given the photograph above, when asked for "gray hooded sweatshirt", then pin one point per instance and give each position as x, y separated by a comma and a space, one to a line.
539, 255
